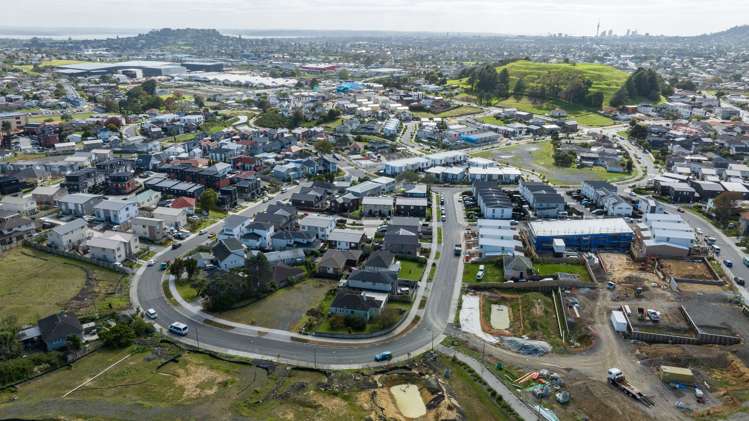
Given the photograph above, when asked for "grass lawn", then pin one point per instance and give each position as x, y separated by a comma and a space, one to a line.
439, 235
583, 115
553, 268
34, 284
26, 157
283, 309
54, 63
543, 157
538, 318
371, 327
493, 273
185, 290
58, 117
50, 283
474, 398
492, 120
411, 270
455, 112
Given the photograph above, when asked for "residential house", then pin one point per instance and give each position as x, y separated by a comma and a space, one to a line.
334, 262
186, 203
367, 188
234, 227
172, 217
402, 243
147, 199
285, 275
68, 236
409, 206
516, 267
116, 212
381, 206
310, 198
229, 254
356, 304
47, 196
149, 228
107, 249
283, 240
493, 202
290, 257
346, 239
319, 225
376, 281
596, 190
258, 235
615, 205
57, 329
382, 260
26, 206
14, 227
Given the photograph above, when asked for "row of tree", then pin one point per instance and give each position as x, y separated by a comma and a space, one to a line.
225, 292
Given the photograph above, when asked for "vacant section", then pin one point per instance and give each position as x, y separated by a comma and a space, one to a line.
408, 399
500, 317
690, 269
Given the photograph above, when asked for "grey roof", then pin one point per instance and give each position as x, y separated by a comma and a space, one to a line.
276, 256
402, 236
516, 262
71, 226
380, 259
226, 247
411, 201
234, 221
59, 326
114, 205
351, 300
79, 198
351, 236
375, 277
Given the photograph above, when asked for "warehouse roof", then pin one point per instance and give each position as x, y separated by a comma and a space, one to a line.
580, 227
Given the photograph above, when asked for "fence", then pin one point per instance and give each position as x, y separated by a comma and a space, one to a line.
50, 250
546, 286
700, 338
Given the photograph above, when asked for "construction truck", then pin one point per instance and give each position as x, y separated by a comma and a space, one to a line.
616, 379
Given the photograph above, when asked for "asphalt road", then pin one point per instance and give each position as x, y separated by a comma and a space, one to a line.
433, 321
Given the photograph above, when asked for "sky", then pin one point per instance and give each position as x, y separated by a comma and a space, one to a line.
522, 17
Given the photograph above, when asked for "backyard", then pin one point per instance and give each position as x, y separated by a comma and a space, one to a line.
284, 309
554, 268
35, 284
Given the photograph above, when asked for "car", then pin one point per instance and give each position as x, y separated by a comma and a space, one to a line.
175, 246
163, 266
739, 280
203, 232
479, 275
699, 231
178, 328
151, 263
383, 356
680, 210
711, 240
444, 218
728, 263
151, 314
457, 250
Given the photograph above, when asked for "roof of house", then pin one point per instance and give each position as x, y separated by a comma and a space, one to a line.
184, 202
283, 272
317, 221
277, 256
351, 300
234, 221
226, 247
59, 326
373, 277
401, 237
338, 258
516, 262
79, 198
71, 226
380, 259
351, 236
114, 205
410, 201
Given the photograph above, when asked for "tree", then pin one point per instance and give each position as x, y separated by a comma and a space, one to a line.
149, 86
323, 146
297, 118
259, 273
355, 323
726, 207
73, 342
7, 127
337, 322
10, 346
120, 335
140, 327
191, 267
638, 131
344, 74
177, 268
208, 200
199, 101
519, 90
503, 83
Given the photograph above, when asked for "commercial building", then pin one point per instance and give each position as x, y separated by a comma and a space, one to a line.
582, 235
146, 68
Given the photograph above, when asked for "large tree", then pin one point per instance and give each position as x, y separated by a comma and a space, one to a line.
726, 206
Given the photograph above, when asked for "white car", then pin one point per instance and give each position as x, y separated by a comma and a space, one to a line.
151, 262
203, 232
151, 314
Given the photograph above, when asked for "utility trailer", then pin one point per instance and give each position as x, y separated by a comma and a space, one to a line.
616, 378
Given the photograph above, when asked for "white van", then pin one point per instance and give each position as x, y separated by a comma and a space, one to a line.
179, 328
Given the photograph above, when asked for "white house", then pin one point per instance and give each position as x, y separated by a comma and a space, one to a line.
79, 204
149, 228
229, 254
107, 250
234, 227
172, 217
116, 212
23, 205
346, 239
616, 206
68, 236
319, 225
258, 235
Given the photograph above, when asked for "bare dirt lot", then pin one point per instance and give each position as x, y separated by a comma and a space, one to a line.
691, 269
629, 275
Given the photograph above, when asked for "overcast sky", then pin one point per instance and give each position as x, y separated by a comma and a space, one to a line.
578, 17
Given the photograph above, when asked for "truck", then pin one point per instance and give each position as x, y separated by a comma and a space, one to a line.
616, 379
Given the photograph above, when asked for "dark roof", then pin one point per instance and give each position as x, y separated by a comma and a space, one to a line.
59, 326
283, 272
375, 277
338, 258
520, 263
401, 236
380, 259
224, 248
353, 301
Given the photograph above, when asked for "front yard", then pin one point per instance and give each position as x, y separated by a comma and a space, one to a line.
411, 270
493, 272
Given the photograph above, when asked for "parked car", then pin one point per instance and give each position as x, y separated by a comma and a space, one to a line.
480, 275
175, 246
739, 280
383, 356
203, 232
178, 328
728, 263
151, 314
151, 262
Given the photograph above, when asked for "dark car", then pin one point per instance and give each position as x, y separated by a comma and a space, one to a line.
728, 263
739, 281
176, 246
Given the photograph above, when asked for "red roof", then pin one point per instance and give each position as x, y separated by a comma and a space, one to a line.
183, 202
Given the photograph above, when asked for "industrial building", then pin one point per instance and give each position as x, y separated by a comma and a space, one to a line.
147, 68
581, 235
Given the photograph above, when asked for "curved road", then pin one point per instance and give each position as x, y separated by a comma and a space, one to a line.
148, 293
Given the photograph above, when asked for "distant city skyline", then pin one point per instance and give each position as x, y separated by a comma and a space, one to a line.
529, 17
